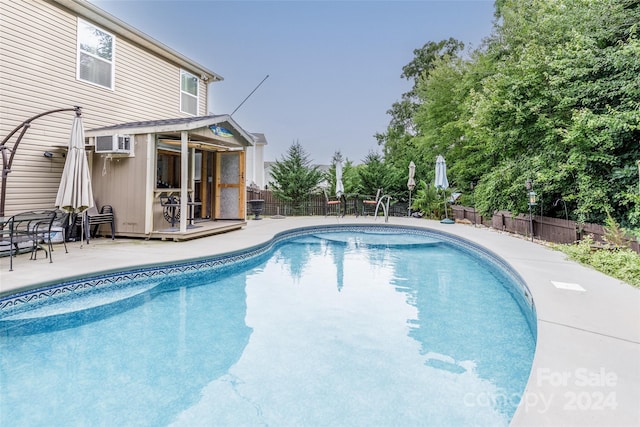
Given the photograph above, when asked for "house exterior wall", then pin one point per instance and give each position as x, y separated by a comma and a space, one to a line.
255, 166
121, 183
38, 73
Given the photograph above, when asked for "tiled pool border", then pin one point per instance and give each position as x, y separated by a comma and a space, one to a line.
22, 300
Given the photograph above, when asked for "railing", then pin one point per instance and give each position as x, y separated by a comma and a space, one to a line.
555, 230
384, 203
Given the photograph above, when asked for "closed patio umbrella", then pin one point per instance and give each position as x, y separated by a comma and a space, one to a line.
411, 183
442, 183
339, 184
75, 194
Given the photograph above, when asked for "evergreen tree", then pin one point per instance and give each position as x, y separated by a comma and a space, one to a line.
294, 178
375, 173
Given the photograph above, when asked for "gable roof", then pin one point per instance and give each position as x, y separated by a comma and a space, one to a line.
176, 125
259, 138
93, 13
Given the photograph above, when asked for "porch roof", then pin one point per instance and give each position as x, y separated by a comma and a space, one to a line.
202, 129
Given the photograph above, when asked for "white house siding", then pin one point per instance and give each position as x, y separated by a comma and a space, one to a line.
259, 165
255, 165
38, 73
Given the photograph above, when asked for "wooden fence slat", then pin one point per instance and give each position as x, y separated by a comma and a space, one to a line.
555, 230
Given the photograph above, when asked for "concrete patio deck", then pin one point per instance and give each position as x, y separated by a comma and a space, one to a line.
586, 369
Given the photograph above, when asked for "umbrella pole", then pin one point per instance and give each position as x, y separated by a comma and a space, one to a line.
444, 197
409, 208
82, 231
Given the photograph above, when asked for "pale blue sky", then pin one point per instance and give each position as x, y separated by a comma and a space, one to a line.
334, 66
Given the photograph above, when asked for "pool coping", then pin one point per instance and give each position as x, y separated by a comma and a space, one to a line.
586, 369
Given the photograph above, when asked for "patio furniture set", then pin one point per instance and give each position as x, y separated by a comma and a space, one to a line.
357, 205
29, 232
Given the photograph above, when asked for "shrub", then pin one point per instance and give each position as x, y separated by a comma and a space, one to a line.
621, 263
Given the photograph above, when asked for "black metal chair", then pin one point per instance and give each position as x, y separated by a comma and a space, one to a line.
40, 232
94, 219
61, 221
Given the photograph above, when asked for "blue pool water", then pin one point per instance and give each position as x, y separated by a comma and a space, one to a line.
338, 328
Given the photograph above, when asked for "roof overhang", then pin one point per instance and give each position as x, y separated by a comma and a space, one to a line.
109, 22
216, 131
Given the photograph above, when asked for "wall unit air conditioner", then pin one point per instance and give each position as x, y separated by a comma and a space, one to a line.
114, 144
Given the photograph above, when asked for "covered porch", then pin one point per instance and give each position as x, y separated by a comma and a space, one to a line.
177, 179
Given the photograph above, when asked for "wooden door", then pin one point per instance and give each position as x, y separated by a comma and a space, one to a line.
230, 185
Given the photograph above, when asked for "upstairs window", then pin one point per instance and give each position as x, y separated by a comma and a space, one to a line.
95, 55
188, 93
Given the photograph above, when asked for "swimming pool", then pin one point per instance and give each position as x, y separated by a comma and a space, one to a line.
356, 326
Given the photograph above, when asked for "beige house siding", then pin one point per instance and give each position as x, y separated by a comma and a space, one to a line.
38, 73
120, 182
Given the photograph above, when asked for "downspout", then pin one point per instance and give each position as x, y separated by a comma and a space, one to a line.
7, 162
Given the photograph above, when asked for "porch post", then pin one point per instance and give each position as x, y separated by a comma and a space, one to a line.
184, 179
149, 198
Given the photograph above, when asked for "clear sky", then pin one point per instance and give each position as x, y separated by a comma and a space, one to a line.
334, 66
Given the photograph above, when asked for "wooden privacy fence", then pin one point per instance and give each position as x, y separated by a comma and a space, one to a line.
314, 204
554, 230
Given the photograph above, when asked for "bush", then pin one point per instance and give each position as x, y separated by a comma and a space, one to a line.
621, 263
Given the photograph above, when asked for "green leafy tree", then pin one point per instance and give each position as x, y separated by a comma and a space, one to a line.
397, 139
564, 100
553, 95
294, 178
442, 120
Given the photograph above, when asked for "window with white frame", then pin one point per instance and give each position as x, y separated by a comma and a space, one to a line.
188, 93
96, 49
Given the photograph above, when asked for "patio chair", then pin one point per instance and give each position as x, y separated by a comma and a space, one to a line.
331, 205
369, 206
94, 219
60, 225
41, 233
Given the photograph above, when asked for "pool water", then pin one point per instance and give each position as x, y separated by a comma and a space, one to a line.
335, 328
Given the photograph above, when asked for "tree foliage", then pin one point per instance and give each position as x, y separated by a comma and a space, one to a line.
376, 174
294, 177
553, 96
397, 140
